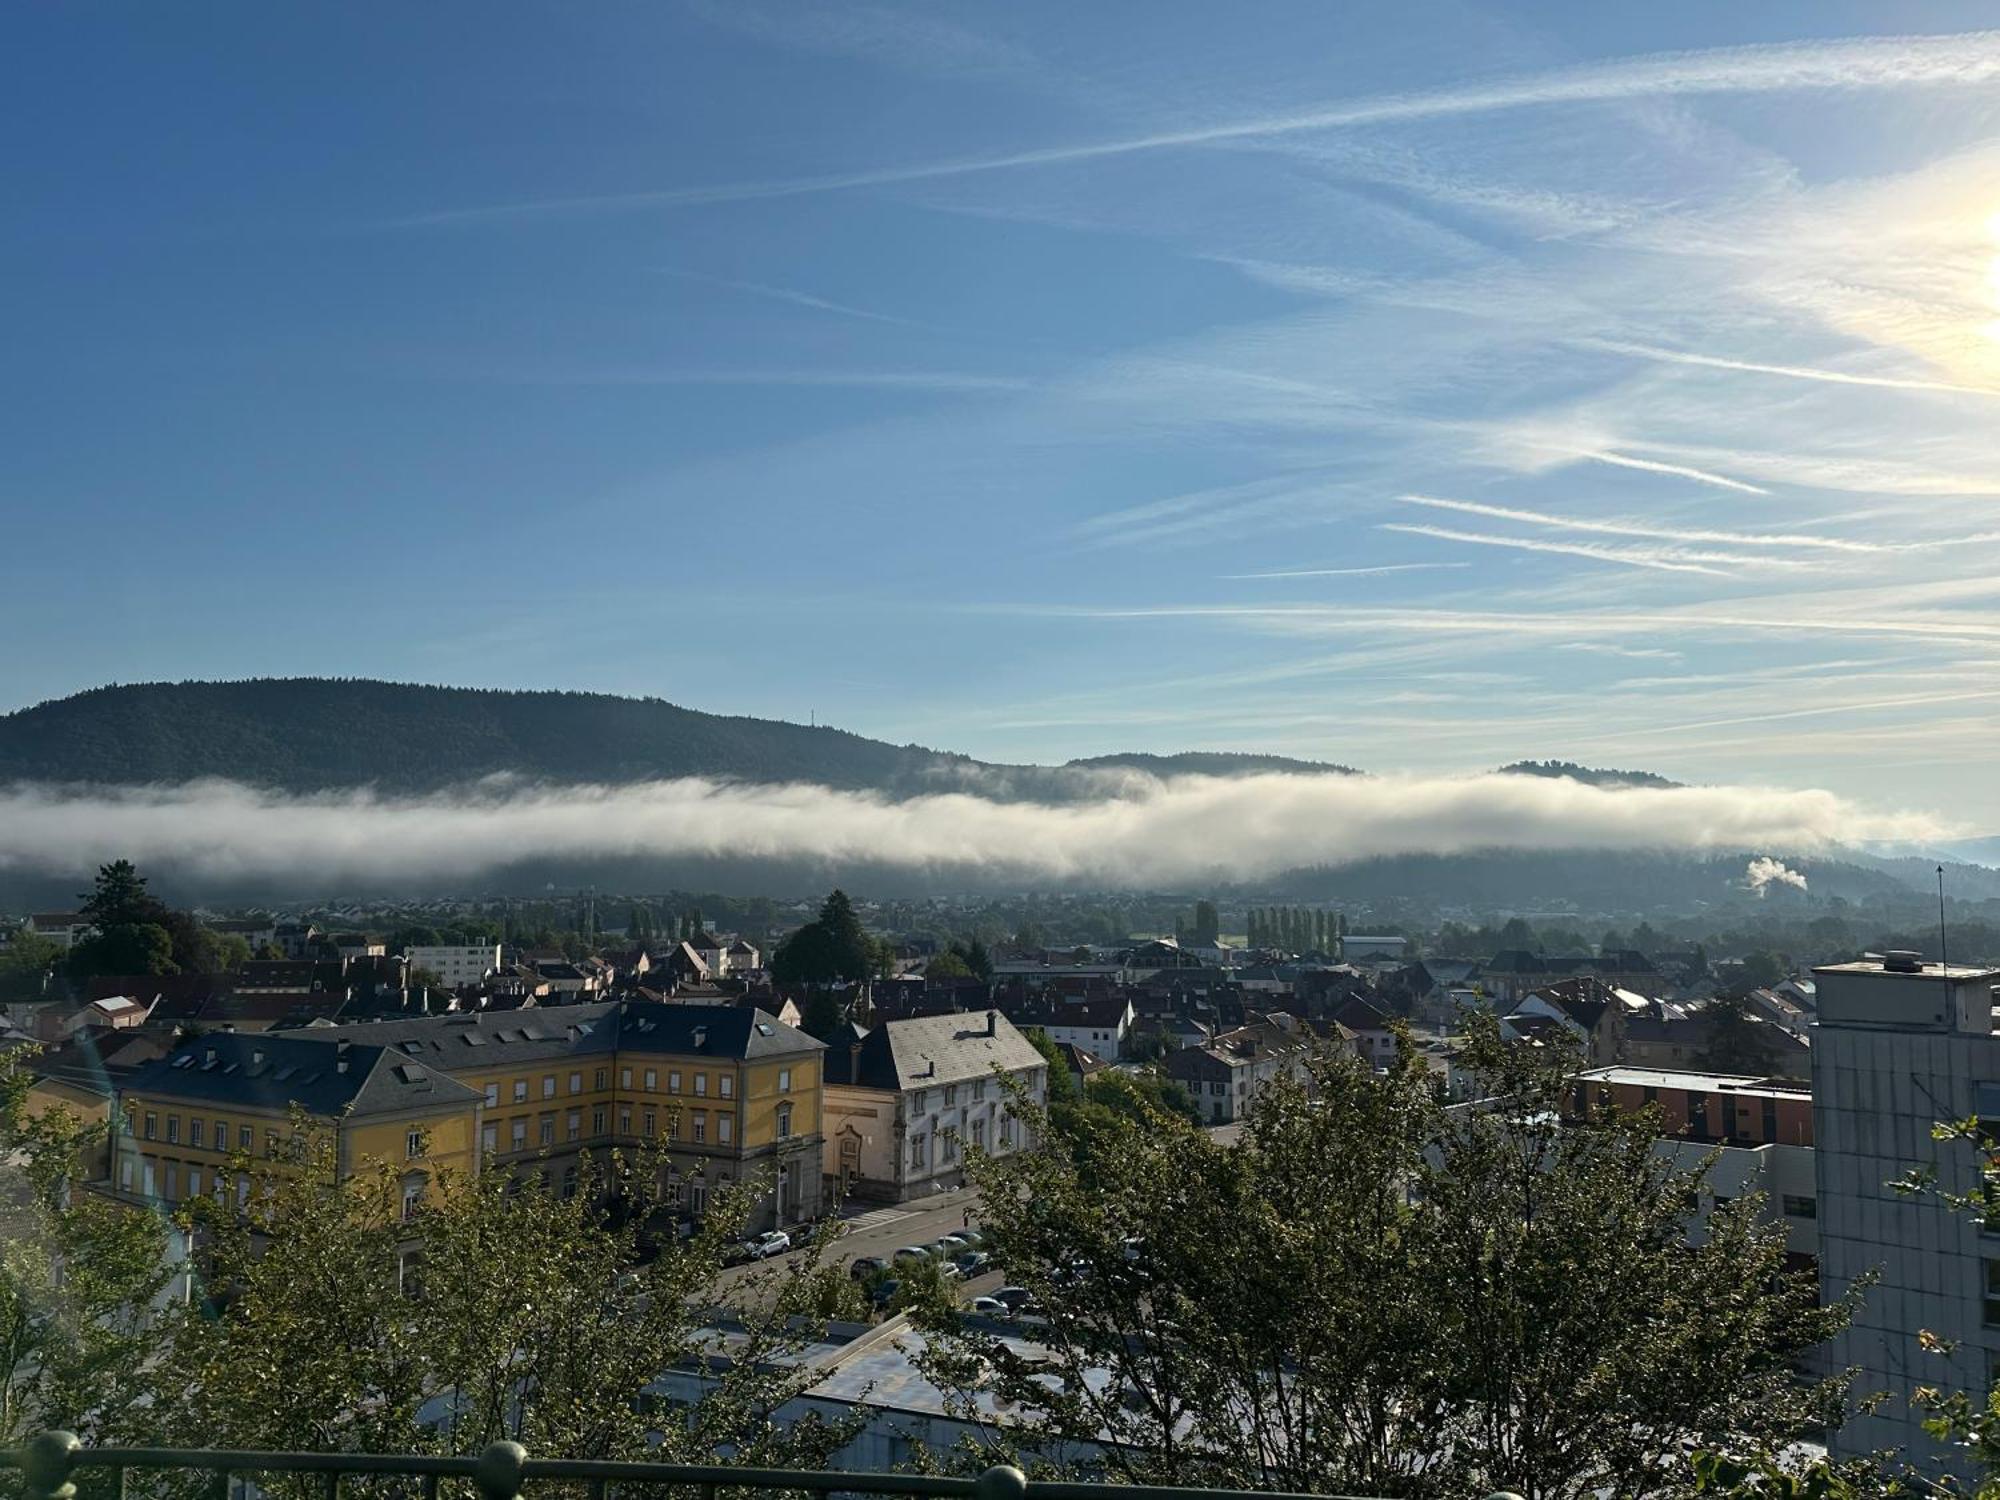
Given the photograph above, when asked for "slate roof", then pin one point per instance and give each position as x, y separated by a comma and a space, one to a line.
923, 1051
276, 1072
489, 1039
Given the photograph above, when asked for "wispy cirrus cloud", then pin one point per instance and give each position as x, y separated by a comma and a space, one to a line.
786, 294
1963, 60
1693, 535
1656, 559
1790, 372
1364, 572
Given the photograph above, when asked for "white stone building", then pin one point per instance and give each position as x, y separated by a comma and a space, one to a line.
455, 964
905, 1102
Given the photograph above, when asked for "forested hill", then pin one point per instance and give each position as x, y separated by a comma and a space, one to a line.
308, 734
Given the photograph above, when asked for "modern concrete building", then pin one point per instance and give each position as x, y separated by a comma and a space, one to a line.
455, 964
1899, 1046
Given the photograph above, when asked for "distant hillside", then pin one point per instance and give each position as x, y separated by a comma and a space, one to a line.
309, 734
1590, 776
1209, 763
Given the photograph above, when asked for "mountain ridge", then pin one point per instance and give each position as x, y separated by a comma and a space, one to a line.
311, 734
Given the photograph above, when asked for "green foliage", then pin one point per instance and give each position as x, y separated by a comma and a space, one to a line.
135, 932
949, 964
1141, 1097
822, 1015
1372, 1293
833, 947
81, 1280
25, 965
1062, 1088
1738, 1042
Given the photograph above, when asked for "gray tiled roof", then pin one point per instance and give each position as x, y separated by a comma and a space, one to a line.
922, 1051
276, 1072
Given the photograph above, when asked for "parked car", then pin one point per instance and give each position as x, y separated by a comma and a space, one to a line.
883, 1293
865, 1266
971, 1263
912, 1252
959, 1240
944, 1249
948, 1270
771, 1242
990, 1307
1012, 1297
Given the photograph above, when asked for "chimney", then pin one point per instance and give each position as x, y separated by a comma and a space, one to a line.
340, 1050
700, 1037
256, 1057
993, 1023
208, 1058
854, 1062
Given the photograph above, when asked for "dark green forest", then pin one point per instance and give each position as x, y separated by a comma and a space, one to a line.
312, 733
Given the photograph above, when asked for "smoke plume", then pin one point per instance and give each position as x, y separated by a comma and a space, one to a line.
1152, 832
1764, 872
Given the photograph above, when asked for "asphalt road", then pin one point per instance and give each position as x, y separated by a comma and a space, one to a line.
881, 1231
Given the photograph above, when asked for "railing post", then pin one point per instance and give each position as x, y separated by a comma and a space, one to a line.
46, 1465
1001, 1482
498, 1471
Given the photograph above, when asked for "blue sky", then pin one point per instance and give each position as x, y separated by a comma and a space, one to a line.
1415, 386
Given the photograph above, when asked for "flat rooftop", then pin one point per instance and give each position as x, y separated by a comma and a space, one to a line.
1922, 971
1700, 1082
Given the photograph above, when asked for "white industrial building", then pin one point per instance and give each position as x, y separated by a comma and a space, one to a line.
1899, 1046
455, 964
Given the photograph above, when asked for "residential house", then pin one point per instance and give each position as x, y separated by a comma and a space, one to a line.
1589, 1010
1100, 1025
905, 1102
742, 958
1225, 1076
62, 928
1356, 946
1686, 1037
711, 950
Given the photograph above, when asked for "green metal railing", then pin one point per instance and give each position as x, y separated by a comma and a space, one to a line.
50, 1462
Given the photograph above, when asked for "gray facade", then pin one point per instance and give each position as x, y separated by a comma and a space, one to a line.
1895, 1051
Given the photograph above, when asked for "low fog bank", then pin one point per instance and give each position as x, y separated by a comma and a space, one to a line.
1150, 833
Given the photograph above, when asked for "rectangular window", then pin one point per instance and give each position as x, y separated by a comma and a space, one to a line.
624, 1119
921, 1103
548, 1085
598, 1078
701, 1085
573, 1126
489, 1138
673, 1124
245, 1137
413, 1144
125, 1175
652, 1079
917, 1153
725, 1085
548, 1128
1770, 1119
784, 1122
194, 1182
152, 1125
271, 1144
1993, 1294
520, 1091
979, 1135
1006, 1130
649, 1123
597, 1120
784, 1080
725, 1128
950, 1095
173, 1130
624, 1078
173, 1182
576, 1083
700, 1127
520, 1136
195, 1127
673, 1080
978, 1091
1698, 1115
1797, 1207
492, 1095
222, 1135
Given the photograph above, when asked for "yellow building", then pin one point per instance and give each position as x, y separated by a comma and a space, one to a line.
185, 1115
728, 1094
